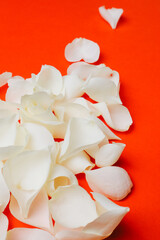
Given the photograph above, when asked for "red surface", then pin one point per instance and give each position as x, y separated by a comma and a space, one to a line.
35, 32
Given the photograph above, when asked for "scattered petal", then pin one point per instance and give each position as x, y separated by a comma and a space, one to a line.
3, 226
72, 207
4, 77
112, 181
73, 86
112, 15
4, 192
81, 48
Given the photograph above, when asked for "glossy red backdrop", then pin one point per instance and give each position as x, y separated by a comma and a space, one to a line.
35, 32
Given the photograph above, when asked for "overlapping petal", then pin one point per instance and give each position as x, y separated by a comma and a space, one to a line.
73, 86
4, 191
4, 77
3, 226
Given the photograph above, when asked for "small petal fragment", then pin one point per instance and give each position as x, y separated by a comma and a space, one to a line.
72, 207
39, 215
81, 48
28, 234
112, 15
108, 154
4, 77
112, 181
3, 226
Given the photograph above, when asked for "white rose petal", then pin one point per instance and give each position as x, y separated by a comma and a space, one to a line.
4, 191
81, 48
29, 234
3, 226
72, 207
112, 181
4, 77
112, 15
73, 86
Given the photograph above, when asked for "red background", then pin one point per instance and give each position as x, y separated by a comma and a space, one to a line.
35, 32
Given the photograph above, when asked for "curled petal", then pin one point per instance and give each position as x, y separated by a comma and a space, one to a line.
73, 86
112, 15
108, 154
29, 234
81, 48
110, 215
19, 87
81, 134
78, 163
72, 207
39, 215
25, 175
4, 77
59, 176
3, 226
39, 137
112, 181
4, 192
50, 79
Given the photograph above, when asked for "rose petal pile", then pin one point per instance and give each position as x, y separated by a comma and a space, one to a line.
40, 173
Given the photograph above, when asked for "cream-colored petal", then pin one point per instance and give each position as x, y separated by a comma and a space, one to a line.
109, 154
39, 215
50, 79
4, 77
112, 181
110, 215
19, 87
80, 134
72, 207
73, 86
59, 176
78, 163
4, 191
102, 90
76, 235
29, 234
3, 226
81, 48
25, 175
39, 137
112, 15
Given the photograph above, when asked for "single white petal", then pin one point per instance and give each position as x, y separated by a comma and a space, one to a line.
102, 90
112, 15
112, 181
81, 48
39, 137
3, 226
29, 234
59, 176
39, 215
81, 134
4, 77
25, 175
76, 235
78, 163
110, 215
73, 86
109, 154
4, 191
72, 207
18, 87
50, 79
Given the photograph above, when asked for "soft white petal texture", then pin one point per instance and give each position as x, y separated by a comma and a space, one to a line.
29, 234
112, 15
4, 77
4, 191
76, 235
19, 87
73, 86
112, 181
3, 226
50, 79
110, 215
80, 134
25, 175
39, 215
109, 154
39, 137
78, 163
102, 90
72, 207
81, 48
59, 176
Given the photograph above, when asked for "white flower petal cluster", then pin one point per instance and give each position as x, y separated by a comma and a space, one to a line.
50, 132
